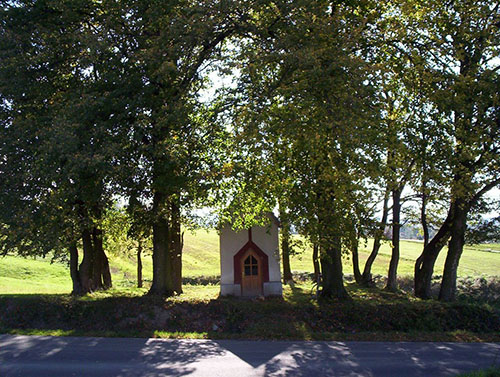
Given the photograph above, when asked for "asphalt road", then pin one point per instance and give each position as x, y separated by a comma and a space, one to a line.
67, 356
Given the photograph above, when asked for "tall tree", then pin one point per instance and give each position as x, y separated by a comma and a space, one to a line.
454, 47
303, 85
53, 49
167, 48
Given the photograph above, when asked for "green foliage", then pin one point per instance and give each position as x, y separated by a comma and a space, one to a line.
334, 104
306, 122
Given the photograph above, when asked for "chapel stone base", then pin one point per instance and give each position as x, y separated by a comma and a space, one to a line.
270, 288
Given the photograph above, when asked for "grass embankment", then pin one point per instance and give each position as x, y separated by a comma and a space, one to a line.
372, 314
34, 300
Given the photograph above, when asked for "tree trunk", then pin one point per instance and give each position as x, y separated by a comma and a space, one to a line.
331, 266
423, 212
97, 260
424, 266
73, 269
86, 273
455, 249
285, 252
162, 261
139, 264
106, 272
317, 270
367, 272
392, 283
101, 262
177, 244
355, 263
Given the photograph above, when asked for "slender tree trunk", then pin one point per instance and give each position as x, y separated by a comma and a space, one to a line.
355, 263
177, 244
162, 261
423, 210
455, 249
392, 284
331, 267
285, 251
317, 270
86, 273
139, 264
424, 266
73, 269
367, 272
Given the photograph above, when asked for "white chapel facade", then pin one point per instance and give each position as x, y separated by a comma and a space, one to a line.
250, 262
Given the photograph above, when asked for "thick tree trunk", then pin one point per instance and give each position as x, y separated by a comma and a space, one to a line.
139, 264
455, 249
73, 269
97, 261
355, 263
315, 257
101, 263
331, 267
424, 266
106, 272
367, 272
86, 267
162, 260
285, 252
177, 244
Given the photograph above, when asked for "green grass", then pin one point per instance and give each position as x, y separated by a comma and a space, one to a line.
475, 261
34, 300
201, 258
372, 314
20, 275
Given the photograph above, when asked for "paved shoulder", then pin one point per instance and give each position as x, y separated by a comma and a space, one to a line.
68, 356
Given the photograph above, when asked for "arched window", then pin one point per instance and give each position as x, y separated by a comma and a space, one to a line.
251, 266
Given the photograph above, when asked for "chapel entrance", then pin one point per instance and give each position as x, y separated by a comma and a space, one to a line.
251, 274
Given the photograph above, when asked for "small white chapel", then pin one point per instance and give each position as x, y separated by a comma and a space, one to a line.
250, 261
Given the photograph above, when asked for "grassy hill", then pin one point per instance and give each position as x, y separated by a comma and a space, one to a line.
201, 258
34, 300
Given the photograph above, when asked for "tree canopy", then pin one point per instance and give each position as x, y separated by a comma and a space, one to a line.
337, 111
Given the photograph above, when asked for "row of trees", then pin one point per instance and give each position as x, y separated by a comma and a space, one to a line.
337, 110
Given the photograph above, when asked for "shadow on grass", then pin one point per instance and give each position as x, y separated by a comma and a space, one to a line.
296, 316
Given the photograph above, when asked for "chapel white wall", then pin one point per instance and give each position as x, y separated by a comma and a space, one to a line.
230, 243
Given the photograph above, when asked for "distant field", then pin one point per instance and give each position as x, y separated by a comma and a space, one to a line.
475, 261
201, 258
20, 275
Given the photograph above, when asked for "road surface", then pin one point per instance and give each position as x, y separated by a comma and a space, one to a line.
71, 356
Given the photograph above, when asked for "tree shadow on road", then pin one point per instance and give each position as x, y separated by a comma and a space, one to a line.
381, 359
102, 356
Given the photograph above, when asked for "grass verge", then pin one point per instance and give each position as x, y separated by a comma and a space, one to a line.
372, 314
